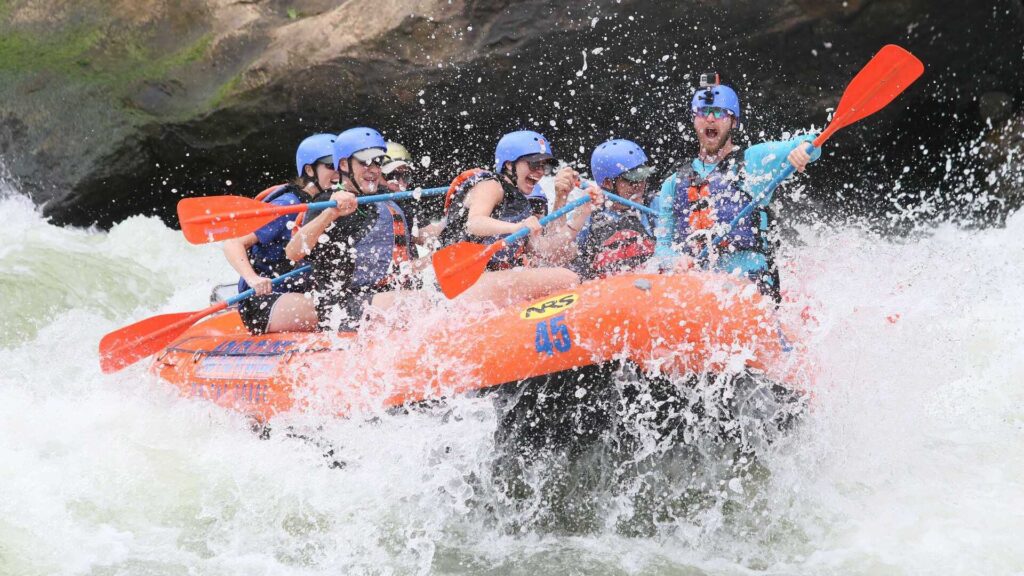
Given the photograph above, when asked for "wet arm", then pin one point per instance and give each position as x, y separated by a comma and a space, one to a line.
236, 252
481, 201
764, 161
308, 235
556, 245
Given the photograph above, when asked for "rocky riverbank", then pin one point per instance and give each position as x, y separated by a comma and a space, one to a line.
115, 107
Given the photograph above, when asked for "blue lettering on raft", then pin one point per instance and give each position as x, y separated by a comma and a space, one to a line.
250, 393
254, 347
239, 367
552, 336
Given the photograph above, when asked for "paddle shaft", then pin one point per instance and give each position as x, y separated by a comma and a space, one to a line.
630, 203
763, 197
494, 247
250, 292
522, 232
296, 208
621, 200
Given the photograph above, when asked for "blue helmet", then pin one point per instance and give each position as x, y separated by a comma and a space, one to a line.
515, 145
356, 139
312, 149
717, 95
615, 157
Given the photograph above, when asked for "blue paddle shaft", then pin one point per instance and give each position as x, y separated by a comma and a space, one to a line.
313, 206
250, 292
630, 203
522, 232
621, 200
765, 197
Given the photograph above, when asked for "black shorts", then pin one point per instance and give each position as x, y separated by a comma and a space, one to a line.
255, 312
344, 309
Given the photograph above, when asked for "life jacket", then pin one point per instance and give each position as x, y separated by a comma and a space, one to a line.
268, 260
612, 242
380, 253
457, 184
710, 203
274, 192
514, 207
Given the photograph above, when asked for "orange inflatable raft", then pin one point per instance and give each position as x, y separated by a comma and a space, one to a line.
691, 323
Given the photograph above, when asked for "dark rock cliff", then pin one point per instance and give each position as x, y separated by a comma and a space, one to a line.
111, 108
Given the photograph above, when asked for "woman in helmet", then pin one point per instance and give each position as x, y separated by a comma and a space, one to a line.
615, 238
397, 172
397, 169
490, 205
260, 256
360, 254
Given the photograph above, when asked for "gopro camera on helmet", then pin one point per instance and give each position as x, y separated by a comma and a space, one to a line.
709, 79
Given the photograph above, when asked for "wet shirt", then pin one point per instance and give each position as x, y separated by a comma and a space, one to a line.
358, 256
333, 258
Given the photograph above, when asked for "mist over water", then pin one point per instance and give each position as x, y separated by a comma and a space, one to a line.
910, 460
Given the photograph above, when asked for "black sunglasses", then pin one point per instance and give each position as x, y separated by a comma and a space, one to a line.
547, 165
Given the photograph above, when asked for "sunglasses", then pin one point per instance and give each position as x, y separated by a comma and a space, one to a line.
378, 161
632, 183
712, 112
325, 160
547, 165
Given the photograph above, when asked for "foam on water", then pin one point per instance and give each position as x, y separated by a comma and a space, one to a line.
910, 462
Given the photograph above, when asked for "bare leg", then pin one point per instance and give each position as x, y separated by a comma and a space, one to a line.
500, 288
504, 287
385, 300
293, 312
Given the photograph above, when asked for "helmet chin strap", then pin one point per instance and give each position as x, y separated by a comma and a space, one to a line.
314, 180
351, 179
509, 171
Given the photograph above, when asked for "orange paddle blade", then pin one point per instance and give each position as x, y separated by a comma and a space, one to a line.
212, 218
460, 265
881, 80
130, 344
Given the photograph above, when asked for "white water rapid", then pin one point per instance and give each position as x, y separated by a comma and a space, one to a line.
911, 460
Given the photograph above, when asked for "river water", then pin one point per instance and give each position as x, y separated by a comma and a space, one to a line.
911, 460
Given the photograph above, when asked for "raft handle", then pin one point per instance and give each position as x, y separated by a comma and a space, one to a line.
163, 355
